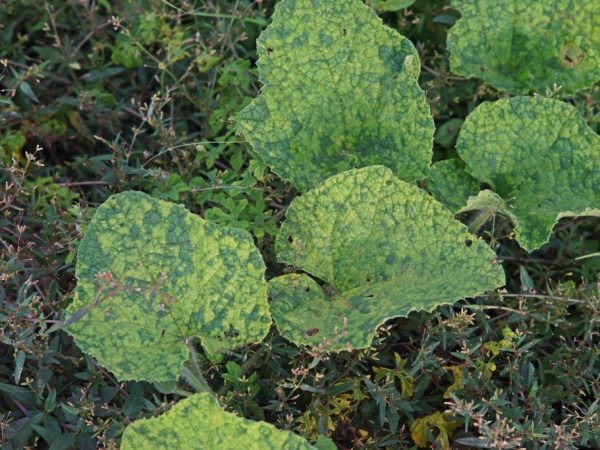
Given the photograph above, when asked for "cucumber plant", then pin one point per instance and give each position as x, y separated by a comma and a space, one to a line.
340, 91
522, 46
199, 422
151, 276
540, 158
383, 247
342, 117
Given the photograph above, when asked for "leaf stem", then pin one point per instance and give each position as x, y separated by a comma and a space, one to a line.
479, 221
192, 372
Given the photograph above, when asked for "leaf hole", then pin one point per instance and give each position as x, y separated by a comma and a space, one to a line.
572, 55
368, 279
290, 239
269, 50
468, 242
370, 296
344, 32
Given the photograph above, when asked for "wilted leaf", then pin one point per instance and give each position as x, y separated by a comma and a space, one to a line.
539, 156
457, 382
436, 421
198, 422
383, 247
151, 276
527, 45
340, 91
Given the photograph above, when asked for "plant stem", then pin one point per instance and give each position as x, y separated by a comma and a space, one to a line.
192, 372
479, 221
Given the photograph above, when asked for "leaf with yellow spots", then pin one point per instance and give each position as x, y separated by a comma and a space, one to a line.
198, 422
152, 276
450, 184
340, 91
528, 45
541, 159
382, 248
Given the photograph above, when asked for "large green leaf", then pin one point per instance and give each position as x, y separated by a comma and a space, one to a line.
391, 5
151, 276
450, 184
382, 247
540, 156
198, 422
528, 45
340, 91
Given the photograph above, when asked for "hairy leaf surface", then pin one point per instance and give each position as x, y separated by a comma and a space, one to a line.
198, 422
528, 45
450, 184
151, 276
340, 91
383, 248
540, 156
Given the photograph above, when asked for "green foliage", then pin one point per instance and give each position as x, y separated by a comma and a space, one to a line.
151, 276
383, 247
11, 144
340, 91
199, 420
517, 368
450, 184
539, 156
528, 45
391, 5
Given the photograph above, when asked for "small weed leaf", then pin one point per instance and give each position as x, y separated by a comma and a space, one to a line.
521, 46
384, 248
151, 276
538, 155
437, 421
450, 184
199, 422
340, 92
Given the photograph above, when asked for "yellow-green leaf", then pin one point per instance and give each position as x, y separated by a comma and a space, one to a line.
528, 45
199, 423
450, 184
152, 276
435, 422
541, 159
382, 247
340, 91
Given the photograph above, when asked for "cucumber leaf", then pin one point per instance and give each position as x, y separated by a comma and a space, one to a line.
340, 91
450, 184
391, 5
151, 276
539, 156
198, 422
382, 248
521, 46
